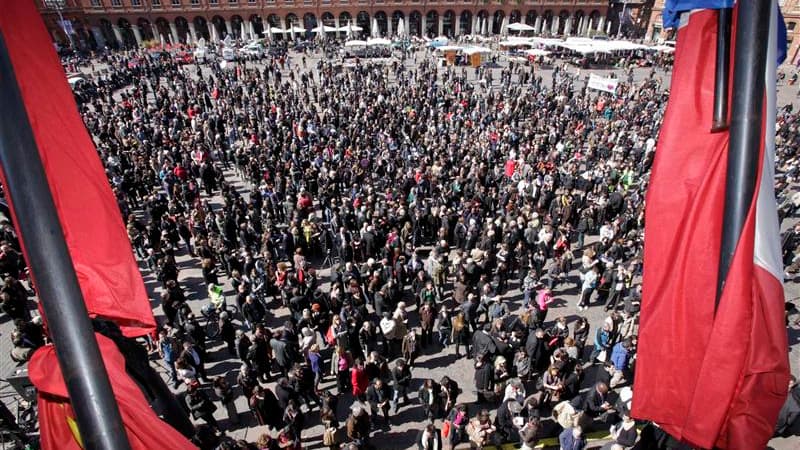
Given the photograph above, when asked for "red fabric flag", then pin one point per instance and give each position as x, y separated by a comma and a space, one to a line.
709, 379
95, 234
57, 421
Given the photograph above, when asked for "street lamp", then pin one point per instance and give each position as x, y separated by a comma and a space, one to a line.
58, 6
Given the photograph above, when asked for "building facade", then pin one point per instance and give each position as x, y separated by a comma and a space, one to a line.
791, 15
98, 23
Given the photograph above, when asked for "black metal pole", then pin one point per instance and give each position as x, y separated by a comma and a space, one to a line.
752, 33
722, 71
92, 399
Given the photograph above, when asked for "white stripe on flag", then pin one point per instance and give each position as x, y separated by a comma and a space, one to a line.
767, 252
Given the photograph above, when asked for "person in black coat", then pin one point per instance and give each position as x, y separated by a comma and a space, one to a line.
430, 397
429, 438
484, 376
538, 353
201, 406
379, 396
285, 393
401, 376
504, 420
227, 332
483, 343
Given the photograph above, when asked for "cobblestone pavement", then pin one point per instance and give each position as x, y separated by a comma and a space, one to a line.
433, 363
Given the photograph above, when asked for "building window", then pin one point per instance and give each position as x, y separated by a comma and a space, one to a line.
213, 2
790, 26
195, 2
136, 2
116, 3
233, 2
176, 2
96, 3
251, 1
155, 3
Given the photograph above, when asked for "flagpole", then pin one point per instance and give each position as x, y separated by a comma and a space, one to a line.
84, 373
747, 110
722, 72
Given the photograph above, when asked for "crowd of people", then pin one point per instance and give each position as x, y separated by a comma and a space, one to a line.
350, 218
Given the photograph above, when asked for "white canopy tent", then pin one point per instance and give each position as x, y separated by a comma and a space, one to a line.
401, 27
378, 42
375, 30
448, 48
516, 42
324, 29
355, 43
519, 26
476, 49
537, 52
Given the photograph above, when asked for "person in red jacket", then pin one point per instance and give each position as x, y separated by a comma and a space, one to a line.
359, 380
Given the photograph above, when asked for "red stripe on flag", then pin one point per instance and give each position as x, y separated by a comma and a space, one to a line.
683, 221
98, 244
710, 379
145, 430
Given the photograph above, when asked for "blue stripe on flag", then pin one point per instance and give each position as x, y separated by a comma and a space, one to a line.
674, 8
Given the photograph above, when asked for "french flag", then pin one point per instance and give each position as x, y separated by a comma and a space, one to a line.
711, 376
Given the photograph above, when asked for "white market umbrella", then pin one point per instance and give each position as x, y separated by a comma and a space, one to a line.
242, 31
401, 27
375, 32
517, 26
355, 43
268, 32
214, 36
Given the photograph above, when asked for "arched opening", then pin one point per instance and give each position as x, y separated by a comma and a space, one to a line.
145, 30
201, 28
257, 25
362, 20
128, 39
236, 27
107, 31
397, 17
328, 20
432, 24
415, 23
515, 16
345, 19
383, 23
578, 22
219, 27
483, 22
547, 22
466, 22
497, 22
449, 23
273, 20
530, 17
182, 27
563, 18
162, 28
